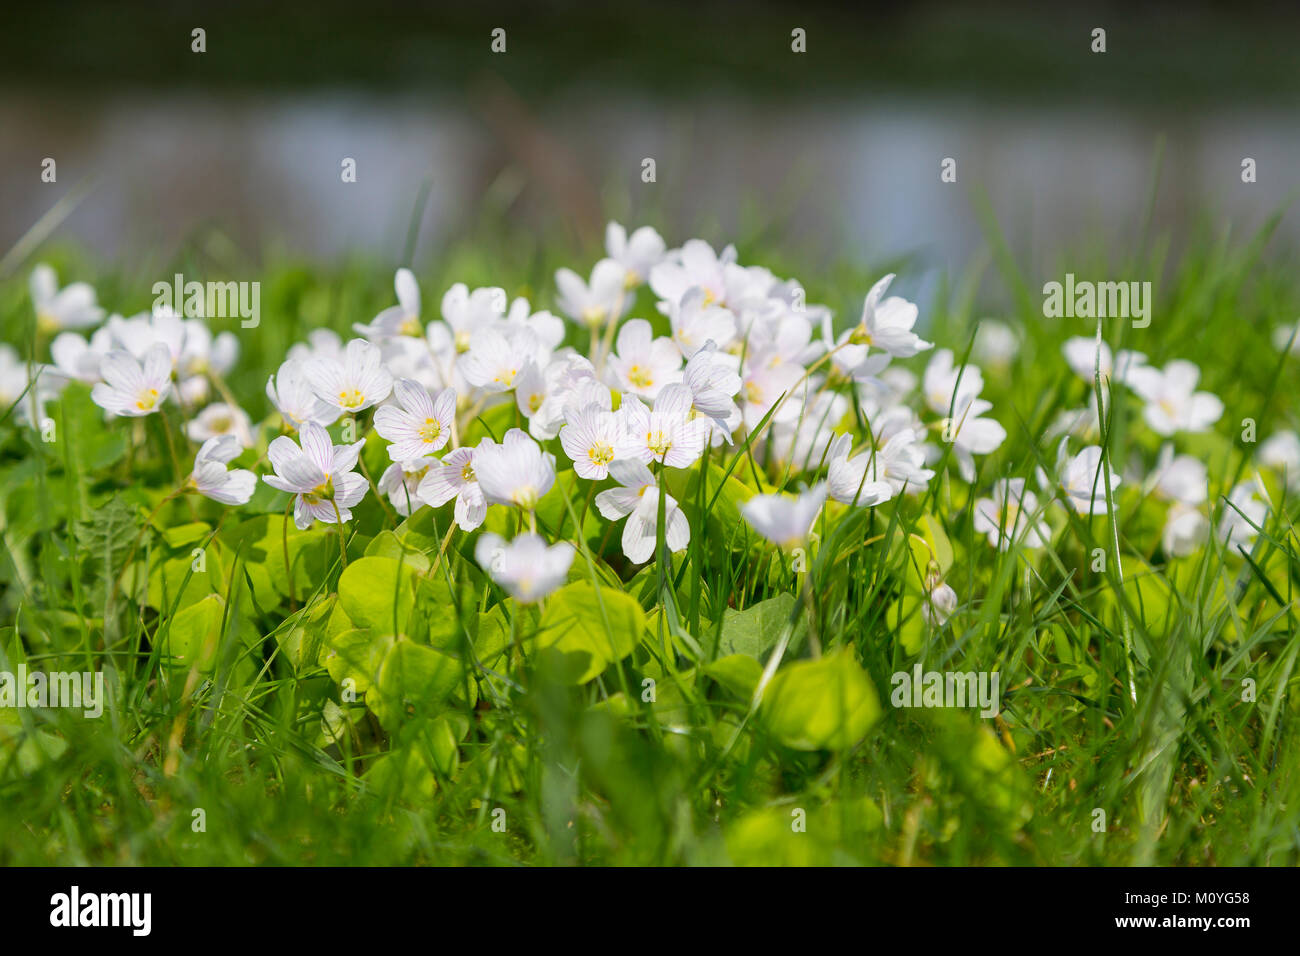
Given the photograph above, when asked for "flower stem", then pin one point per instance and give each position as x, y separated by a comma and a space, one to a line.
288, 569
338, 525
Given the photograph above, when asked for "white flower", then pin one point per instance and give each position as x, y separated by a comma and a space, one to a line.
401, 483
637, 254
947, 388
1287, 336
75, 358
132, 388
516, 472
803, 442
1081, 423
321, 343
418, 425
887, 325
1084, 359
694, 323
638, 499
939, 603
140, 333
665, 434
783, 520
549, 330
1186, 529
454, 477
470, 312
1182, 478
400, 319
876, 475
294, 398
496, 358
201, 352
548, 397
356, 382
1243, 512
72, 307
530, 391
996, 344
589, 439
643, 364
212, 479
774, 335
695, 264
1281, 452
713, 383
1082, 479
1010, 516
1172, 402
526, 567
319, 474
221, 419
971, 435
762, 387
605, 299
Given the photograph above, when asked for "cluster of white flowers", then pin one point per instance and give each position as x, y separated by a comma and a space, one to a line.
747, 359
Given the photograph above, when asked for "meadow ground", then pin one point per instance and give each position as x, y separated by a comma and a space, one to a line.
269, 705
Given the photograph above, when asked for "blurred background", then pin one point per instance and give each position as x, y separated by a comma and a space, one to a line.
835, 151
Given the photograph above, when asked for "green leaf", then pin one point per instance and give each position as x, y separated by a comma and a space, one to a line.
738, 673
826, 704
96, 444
755, 630
413, 681
311, 553
178, 536
194, 637
378, 592
355, 655
303, 638
588, 628
386, 544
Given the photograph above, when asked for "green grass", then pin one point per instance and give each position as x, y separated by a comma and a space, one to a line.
1189, 773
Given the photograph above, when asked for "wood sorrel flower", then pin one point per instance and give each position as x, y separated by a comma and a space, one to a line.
133, 388
319, 473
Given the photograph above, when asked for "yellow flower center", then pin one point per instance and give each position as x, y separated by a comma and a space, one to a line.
462, 341
467, 473
600, 453
535, 401
506, 377
351, 398
322, 492
410, 326
658, 442
430, 431
146, 399
860, 336
525, 498
640, 377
